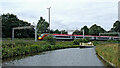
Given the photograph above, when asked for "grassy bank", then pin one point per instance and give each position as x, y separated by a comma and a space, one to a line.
22, 47
109, 51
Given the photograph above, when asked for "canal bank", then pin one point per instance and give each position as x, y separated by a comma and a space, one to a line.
33, 54
108, 53
38, 46
19, 48
105, 62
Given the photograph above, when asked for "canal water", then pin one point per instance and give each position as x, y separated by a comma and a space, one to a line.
61, 57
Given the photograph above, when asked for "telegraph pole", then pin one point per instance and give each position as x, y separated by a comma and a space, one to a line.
35, 27
83, 33
49, 18
35, 33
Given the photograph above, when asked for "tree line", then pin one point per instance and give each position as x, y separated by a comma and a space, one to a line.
95, 30
10, 21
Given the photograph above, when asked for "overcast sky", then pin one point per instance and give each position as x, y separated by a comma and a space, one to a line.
65, 14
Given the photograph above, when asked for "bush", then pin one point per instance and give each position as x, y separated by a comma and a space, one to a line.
112, 41
95, 43
77, 41
50, 39
20, 47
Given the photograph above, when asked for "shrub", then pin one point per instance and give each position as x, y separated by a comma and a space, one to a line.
50, 39
112, 41
95, 43
85, 40
77, 41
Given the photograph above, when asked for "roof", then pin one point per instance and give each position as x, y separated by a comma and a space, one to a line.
63, 34
82, 35
85, 35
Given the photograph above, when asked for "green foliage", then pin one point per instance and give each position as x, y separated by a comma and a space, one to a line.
58, 31
10, 21
77, 41
30, 47
77, 32
50, 39
116, 27
109, 52
42, 26
84, 40
112, 41
86, 30
63, 32
95, 30
95, 43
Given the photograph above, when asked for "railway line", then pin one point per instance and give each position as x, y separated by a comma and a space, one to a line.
72, 37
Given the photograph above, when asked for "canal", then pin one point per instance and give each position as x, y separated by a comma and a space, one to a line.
61, 57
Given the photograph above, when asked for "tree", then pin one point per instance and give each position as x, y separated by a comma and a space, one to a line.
64, 32
116, 27
86, 30
95, 30
52, 31
76, 32
10, 21
57, 31
50, 39
42, 25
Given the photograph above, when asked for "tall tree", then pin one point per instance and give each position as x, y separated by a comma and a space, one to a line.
86, 30
10, 21
116, 27
42, 25
95, 30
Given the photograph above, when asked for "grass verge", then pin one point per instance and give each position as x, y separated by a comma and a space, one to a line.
109, 51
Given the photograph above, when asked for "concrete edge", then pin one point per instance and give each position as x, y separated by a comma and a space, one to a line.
111, 64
